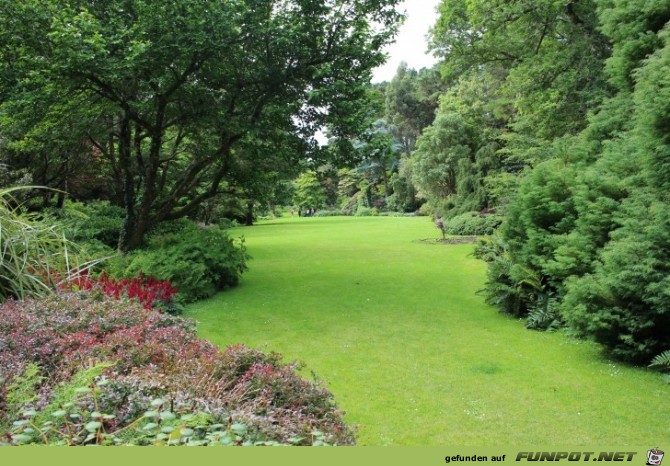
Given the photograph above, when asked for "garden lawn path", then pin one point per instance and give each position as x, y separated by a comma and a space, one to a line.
393, 326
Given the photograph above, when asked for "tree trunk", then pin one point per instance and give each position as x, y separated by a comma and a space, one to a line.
60, 199
128, 239
249, 220
386, 186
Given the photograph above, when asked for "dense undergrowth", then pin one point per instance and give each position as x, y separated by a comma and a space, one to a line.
198, 260
83, 368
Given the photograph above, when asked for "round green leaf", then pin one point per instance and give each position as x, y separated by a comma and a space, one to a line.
93, 426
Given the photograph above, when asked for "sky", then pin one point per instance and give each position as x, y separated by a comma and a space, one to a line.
411, 44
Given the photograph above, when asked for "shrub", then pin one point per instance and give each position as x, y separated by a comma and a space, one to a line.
350, 205
119, 374
198, 261
149, 292
426, 210
624, 303
662, 362
226, 223
513, 288
366, 212
473, 224
171, 227
328, 213
94, 222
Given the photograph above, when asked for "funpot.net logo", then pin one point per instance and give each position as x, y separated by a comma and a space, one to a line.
654, 457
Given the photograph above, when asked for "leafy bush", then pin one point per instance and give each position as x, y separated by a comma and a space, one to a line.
662, 361
426, 210
328, 213
97, 221
158, 382
544, 314
170, 227
366, 212
198, 261
624, 303
510, 286
473, 224
226, 223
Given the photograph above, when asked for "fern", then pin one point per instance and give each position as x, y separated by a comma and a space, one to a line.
22, 392
544, 315
662, 360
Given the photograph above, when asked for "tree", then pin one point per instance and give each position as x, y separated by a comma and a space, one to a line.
184, 83
411, 101
457, 156
309, 194
590, 224
548, 55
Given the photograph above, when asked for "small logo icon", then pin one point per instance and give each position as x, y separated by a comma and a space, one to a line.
654, 457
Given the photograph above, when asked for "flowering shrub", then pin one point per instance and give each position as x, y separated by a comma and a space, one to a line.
113, 372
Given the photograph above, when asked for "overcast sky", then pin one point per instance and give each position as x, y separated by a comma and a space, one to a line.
411, 45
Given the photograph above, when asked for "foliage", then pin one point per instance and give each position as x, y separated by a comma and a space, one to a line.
34, 253
662, 361
549, 55
175, 101
443, 148
198, 261
411, 101
544, 314
457, 156
149, 292
590, 221
20, 392
328, 213
308, 192
366, 212
510, 286
158, 378
473, 224
96, 221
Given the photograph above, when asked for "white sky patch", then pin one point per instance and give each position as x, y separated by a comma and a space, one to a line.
411, 44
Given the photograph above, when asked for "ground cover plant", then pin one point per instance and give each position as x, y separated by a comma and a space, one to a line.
86, 368
396, 330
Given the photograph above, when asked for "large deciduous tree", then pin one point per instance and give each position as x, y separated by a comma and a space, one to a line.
177, 86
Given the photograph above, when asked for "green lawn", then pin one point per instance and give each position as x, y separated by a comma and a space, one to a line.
394, 328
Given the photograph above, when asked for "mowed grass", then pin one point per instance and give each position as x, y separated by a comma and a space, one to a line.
395, 329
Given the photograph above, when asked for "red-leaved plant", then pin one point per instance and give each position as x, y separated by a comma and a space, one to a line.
149, 356
150, 292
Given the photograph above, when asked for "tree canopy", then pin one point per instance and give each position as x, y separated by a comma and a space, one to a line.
166, 92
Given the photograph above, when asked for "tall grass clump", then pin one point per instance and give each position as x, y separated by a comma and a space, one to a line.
33, 253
